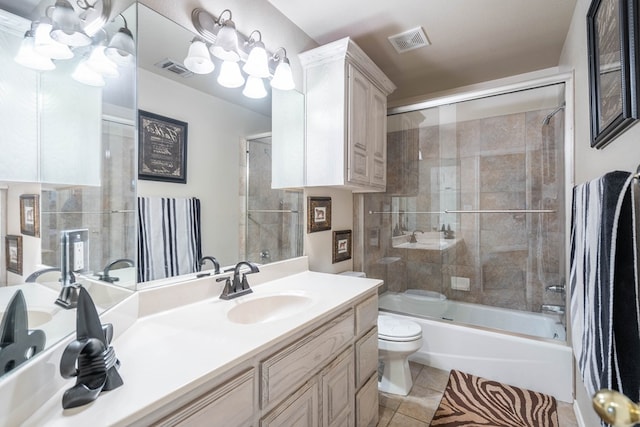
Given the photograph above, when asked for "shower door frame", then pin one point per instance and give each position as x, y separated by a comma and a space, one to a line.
484, 90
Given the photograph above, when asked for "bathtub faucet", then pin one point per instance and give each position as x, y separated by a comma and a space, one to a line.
553, 308
413, 239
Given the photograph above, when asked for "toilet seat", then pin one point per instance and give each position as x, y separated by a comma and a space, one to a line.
399, 330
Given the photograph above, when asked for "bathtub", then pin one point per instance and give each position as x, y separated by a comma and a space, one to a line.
540, 364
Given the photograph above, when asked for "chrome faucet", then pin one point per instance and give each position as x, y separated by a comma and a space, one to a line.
413, 239
237, 287
122, 262
216, 264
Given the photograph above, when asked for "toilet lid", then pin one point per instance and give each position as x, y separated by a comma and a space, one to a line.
394, 329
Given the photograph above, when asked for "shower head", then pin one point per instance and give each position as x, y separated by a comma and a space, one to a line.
547, 119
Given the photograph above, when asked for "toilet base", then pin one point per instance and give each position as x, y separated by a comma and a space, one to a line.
396, 376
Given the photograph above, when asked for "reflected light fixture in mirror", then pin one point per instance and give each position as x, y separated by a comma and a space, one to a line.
122, 48
198, 59
67, 26
257, 64
254, 88
28, 57
47, 46
86, 75
230, 75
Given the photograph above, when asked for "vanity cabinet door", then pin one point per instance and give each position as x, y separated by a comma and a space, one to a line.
359, 148
229, 405
366, 315
338, 391
377, 137
299, 410
366, 356
367, 403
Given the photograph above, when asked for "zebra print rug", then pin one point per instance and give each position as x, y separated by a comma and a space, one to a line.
474, 401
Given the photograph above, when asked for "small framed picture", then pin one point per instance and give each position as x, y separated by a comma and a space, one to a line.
30, 214
341, 245
13, 250
162, 148
318, 214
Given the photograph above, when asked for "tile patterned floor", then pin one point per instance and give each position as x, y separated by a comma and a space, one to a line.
417, 409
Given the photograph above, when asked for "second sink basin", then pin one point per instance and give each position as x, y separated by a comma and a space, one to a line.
266, 308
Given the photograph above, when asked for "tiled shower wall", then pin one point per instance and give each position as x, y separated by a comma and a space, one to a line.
267, 236
509, 162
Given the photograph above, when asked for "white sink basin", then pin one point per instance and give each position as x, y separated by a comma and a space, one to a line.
267, 308
35, 318
436, 245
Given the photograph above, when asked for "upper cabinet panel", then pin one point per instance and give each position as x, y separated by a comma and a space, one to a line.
346, 103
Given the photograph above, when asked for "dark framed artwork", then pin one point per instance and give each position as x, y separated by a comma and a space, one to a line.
162, 148
13, 251
318, 214
30, 214
613, 68
341, 245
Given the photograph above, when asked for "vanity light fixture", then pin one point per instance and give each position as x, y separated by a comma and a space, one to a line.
283, 77
198, 59
28, 57
257, 64
47, 46
99, 62
121, 48
226, 44
230, 75
67, 26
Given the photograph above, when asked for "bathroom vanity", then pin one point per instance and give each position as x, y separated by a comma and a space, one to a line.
301, 348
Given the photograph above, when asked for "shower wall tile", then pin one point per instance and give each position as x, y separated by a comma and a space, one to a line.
429, 140
469, 137
504, 172
503, 134
421, 275
503, 277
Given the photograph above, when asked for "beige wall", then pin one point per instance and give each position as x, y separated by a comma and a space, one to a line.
622, 154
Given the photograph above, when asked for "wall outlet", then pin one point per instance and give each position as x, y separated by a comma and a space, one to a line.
78, 256
460, 283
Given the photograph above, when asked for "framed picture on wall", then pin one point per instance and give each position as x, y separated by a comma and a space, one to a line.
613, 68
162, 148
13, 251
318, 214
30, 214
341, 245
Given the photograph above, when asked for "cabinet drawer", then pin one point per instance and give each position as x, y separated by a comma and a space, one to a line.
367, 403
300, 410
231, 404
289, 368
366, 356
337, 391
366, 315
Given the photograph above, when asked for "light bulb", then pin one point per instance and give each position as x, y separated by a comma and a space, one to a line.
28, 57
257, 64
198, 59
283, 78
230, 75
86, 75
49, 47
254, 88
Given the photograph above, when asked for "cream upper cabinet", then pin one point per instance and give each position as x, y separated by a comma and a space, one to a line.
345, 111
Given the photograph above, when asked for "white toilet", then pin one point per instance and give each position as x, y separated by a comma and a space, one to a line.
397, 340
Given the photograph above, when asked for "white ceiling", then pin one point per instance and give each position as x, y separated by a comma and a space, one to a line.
471, 40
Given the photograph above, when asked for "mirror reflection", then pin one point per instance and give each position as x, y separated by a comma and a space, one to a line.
67, 184
228, 163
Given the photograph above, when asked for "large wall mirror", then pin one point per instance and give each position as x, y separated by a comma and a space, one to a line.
67, 171
229, 156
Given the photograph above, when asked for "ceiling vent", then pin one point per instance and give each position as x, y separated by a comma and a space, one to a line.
174, 67
409, 40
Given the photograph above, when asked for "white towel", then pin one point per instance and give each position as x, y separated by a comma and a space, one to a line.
169, 237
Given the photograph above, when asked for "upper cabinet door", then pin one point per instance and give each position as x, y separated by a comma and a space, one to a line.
358, 150
378, 136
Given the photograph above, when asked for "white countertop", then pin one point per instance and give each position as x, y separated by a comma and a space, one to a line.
167, 354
